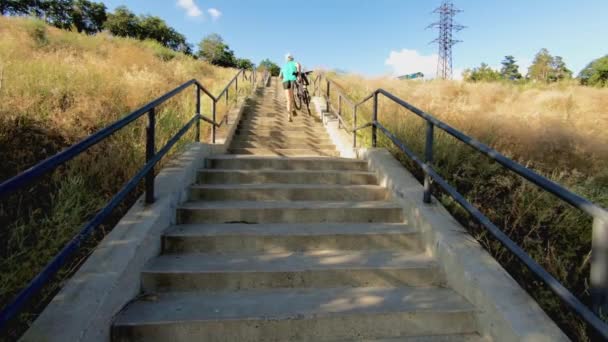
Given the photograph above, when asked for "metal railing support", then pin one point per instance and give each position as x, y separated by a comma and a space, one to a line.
354, 127
374, 121
599, 266
339, 110
428, 159
236, 85
150, 152
197, 133
227, 92
213, 126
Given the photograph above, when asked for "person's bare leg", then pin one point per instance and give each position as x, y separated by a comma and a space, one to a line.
289, 98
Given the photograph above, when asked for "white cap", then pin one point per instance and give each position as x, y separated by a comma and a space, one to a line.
288, 56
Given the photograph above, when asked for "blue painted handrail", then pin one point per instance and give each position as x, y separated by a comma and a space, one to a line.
145, 173
599, 263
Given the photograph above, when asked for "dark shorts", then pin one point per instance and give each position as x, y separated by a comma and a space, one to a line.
288, 84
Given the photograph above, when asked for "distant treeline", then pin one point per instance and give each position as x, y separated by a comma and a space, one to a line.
92, 17
545, 68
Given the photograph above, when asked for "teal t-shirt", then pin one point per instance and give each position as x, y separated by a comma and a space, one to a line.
288, 71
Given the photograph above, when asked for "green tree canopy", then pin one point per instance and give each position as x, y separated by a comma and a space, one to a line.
88, 16
244, 63
271, 66
510, 69
214, 50
483, 73
546, 68
123, 23
595, 73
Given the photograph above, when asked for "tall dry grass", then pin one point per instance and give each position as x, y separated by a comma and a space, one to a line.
557, 130
57, 87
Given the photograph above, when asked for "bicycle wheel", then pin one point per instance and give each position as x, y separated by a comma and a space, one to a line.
297, 96
307, 100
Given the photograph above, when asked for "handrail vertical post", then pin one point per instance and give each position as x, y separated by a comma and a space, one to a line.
236, 86
340, 110
213, 124
354, 126
428, 159
197, 137
150, 152
327, 101
375, 121
227, 93
599, 266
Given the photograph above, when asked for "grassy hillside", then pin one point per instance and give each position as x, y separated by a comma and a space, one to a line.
558, 130
57, 87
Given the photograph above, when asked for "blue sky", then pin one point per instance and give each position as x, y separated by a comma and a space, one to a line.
378, 37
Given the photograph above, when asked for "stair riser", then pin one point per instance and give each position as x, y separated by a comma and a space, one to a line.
290, 140
289, 194
282, 134
248, 243
289, 215
287, 126
305, 327
282, 145
285, 152
344, 178
286, 164
232, 281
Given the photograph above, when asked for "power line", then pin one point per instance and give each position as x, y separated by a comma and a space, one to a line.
447, 11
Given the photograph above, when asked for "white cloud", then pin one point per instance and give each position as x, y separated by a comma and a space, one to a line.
410, 61
192, 10
214, 13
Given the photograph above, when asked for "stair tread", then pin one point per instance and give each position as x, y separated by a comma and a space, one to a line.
288, 205
291, 229
428, 338
288, 171
288, 261
303, 303
312, 159
264, 186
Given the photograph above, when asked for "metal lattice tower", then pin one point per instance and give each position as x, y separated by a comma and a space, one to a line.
447, 27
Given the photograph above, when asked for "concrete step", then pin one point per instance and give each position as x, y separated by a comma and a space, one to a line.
282, 134
249, 162
289, 212
207, 238
221, 176
311, 145
313, 269
287, 192
428, 338
295, 315
285, 152
290, 140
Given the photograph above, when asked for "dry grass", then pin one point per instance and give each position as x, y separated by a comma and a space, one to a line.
556, 130
57, 87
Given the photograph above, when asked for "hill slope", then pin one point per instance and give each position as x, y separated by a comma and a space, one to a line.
57, 87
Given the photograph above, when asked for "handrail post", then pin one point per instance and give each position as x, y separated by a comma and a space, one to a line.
213, 124
340, 110
197, 137
327, 102
428, 159
227, 92
236, 86
150, 152
599, 266
354, 126
374, 121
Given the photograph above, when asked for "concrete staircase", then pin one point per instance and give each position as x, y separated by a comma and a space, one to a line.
283, 241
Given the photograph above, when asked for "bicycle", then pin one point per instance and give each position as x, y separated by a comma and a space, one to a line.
300, 91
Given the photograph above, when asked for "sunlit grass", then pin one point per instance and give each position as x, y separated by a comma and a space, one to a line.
553, 129
57, 87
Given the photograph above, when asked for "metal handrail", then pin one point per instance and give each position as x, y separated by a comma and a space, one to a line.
146, 172
599, 265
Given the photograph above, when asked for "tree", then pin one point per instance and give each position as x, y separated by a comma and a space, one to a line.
510, 69
595, 73
244, 63
542, 67
88, 16
15, 7
271, 66
560, 71
481, 74
213, 50
123, 23
55, 12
